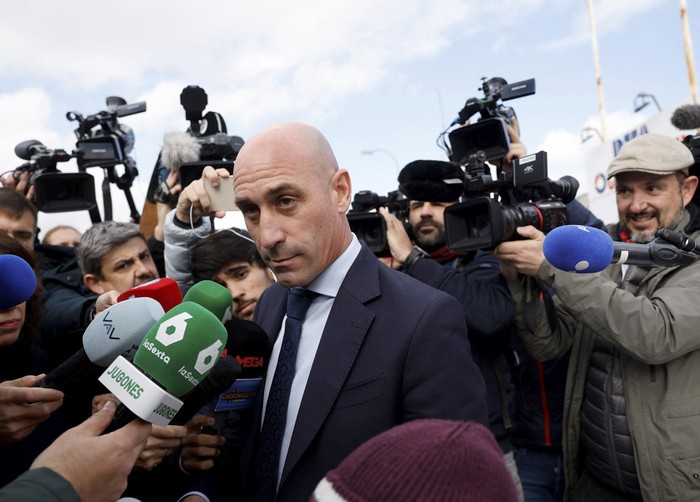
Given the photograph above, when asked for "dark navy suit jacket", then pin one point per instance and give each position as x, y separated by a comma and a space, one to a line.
393, 350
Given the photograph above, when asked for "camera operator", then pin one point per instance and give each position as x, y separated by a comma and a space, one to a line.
473, 278
632, 330
540, 385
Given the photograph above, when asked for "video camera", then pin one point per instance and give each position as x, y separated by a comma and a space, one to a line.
55, 191
104, 142
693, 144
369, 225
217, 148
493, 209
489, 134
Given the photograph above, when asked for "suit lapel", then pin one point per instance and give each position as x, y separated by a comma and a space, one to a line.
346, 328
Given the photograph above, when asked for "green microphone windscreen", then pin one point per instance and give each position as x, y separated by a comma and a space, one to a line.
212, 296
182, 348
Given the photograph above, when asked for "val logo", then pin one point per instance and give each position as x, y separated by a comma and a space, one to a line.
109, 327
173, 330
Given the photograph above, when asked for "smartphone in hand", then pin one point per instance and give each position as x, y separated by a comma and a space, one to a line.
221, 197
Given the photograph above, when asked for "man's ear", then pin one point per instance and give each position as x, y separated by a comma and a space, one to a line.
94, 283
690, 185
342, 190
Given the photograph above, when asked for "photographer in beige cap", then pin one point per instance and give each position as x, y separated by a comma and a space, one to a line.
632, 407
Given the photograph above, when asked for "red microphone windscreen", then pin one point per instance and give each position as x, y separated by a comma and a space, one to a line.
165, 291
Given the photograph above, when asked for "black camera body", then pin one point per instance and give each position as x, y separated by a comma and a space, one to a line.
527, 197
489, 134
369, 225
210, 128
693, 144
102, 140
55, 192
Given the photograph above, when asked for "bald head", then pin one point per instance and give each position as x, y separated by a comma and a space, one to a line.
293, 198
297, 141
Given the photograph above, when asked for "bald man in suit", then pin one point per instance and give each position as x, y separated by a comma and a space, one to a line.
377, 347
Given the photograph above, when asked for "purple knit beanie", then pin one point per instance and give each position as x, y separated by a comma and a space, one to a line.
429, 459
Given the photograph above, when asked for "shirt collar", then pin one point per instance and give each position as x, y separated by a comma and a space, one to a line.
329, 281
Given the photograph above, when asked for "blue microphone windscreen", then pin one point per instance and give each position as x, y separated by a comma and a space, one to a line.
17, 281
577, 248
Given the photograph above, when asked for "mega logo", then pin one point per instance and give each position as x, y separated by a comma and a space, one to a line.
250, 361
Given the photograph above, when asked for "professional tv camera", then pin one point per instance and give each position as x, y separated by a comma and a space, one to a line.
494, 208
369, 225
489, 134
685, 118
104, 142
217, 148
206, 143
55, 191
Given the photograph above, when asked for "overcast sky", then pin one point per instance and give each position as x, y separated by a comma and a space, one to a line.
385, 75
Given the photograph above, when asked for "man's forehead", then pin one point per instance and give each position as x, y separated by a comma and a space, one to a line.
134, 246
641, 177
8, 221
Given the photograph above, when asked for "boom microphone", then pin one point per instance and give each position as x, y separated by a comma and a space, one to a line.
212, 296
581, 249
686, 117
118, 330
222, 376
173, 358
179, 148
165, 291
17, 281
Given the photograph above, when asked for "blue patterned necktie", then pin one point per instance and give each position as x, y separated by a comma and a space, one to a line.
268, 457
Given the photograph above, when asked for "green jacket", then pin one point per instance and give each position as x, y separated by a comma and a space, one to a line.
658, 334
39, 485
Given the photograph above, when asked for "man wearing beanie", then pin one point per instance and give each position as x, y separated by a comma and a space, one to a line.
428, 459
632, 409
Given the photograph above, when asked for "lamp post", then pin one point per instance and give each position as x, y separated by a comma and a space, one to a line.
384, 151
643, 99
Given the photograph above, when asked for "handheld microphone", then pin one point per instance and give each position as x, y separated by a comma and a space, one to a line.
679, 239
222, 376
179, 148
165, 291
117, 330
17, 281
173, 358
251, 347
212, 296
581, 249
686, 117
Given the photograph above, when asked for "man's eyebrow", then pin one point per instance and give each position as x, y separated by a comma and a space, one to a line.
123, 261
272, 193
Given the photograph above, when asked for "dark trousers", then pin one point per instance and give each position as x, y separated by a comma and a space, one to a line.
541, 474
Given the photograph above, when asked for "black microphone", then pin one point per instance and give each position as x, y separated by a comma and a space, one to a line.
222, 376
251, 347
686, 117
679, 239
655, 253
26, 149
